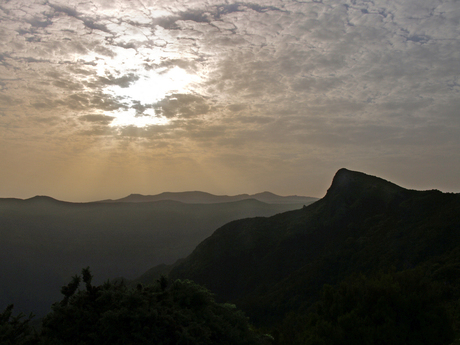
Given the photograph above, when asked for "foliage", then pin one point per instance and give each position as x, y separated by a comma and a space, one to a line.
389, 308
179, 312
14, 329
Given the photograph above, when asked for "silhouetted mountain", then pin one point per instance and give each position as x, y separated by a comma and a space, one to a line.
271, 266
43, 199
44, 241
206, 198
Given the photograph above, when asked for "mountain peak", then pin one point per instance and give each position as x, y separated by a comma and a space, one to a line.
41, 198
344, 177
353, 184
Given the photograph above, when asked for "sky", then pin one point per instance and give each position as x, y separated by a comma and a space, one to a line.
103, 98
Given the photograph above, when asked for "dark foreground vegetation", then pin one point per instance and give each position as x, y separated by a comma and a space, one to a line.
167, 312
388, 308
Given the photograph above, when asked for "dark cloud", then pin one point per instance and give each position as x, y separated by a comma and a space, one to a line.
182, 105
124, 81
105, 51
34, 38
90, 23
140, 108
419, 39
100, 119
197, 16
222, 10
7, 100
170, 22
33, 60
237, 107
65, 10
37, 23
50, 120
44, 104
189, 65
67, 85
81, 101
212, 13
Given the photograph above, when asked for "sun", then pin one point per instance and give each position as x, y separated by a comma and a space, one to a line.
148, 85
150, 88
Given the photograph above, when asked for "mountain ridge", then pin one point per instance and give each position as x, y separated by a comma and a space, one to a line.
190, 197
271, 266
208, 198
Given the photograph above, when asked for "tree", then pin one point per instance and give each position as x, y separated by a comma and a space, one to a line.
388, 308
179, 312
14, 329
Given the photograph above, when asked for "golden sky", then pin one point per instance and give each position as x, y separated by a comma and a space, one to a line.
100, 99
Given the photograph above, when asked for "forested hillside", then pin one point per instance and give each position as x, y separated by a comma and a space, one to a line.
366, 231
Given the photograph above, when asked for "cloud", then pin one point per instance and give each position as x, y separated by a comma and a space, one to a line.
320, 81
124, 81
152, 132
237, 107
95, 118
90, 23
182, 105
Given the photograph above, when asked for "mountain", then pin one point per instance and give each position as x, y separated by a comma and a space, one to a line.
207, 198
44, 241
277, 265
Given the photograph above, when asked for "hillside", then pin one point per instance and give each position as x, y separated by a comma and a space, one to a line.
273, 266
43, 241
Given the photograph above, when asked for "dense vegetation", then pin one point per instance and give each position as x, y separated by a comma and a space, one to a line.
16, 329
400, 308
179, 312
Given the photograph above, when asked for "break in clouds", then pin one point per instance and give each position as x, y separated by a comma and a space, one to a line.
284, 84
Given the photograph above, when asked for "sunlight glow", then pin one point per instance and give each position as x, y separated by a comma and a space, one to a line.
148, 90
138, 80
155, 86
130, 118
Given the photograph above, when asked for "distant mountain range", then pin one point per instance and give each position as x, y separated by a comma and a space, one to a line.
44, 241
274, 266
206, 198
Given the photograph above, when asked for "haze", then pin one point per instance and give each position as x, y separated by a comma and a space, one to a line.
100, 99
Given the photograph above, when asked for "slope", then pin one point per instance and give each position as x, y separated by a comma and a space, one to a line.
271, 266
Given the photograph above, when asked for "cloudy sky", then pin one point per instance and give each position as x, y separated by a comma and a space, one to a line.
103, 98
